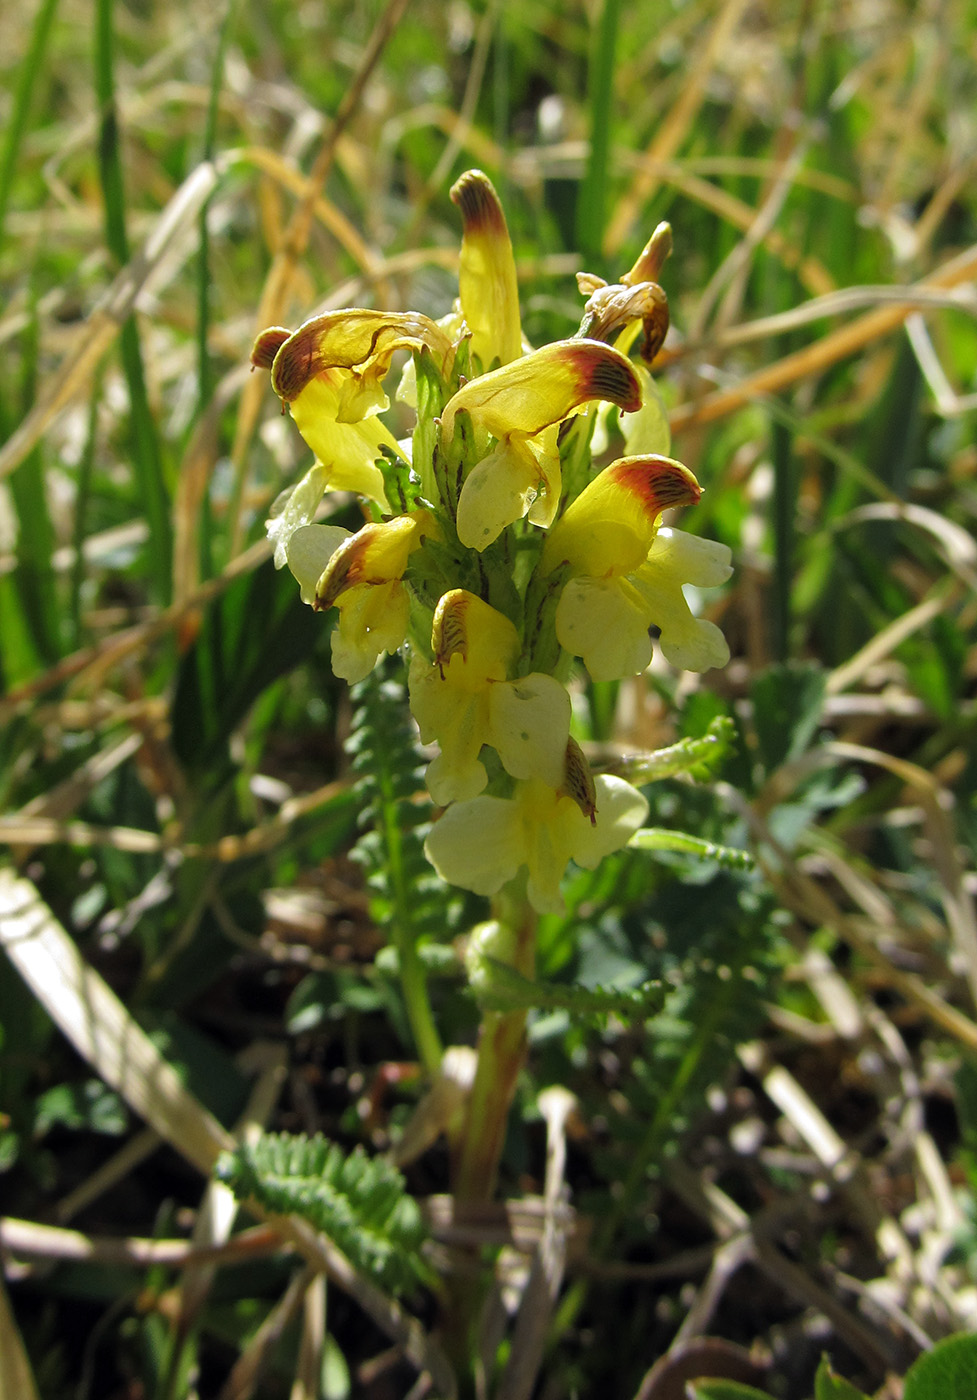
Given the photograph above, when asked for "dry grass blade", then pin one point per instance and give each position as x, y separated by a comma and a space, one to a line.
847, 340
677, 123
30, 1240
75, 374
274, 296
814, 907
246, 1374
92, 663
99, 1026
546, 1274
891, 636
101, 1029
306, 1385
219, 1208
958, 904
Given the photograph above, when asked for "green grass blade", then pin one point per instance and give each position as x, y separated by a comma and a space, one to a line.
147, 456
83, 492
17, 120
204, 374
592, 199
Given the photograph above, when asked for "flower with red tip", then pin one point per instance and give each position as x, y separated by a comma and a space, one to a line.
522, 405
487, 287
362, 576
627, 572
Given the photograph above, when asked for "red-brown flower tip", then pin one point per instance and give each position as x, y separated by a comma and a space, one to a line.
652, 258
660, 482
578, 781
267, 346
608, 378
481, 211
300, 363
345, 568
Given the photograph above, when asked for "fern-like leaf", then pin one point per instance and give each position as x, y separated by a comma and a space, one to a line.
499, 987
655, 838
395, 814
697, 757
360, 1202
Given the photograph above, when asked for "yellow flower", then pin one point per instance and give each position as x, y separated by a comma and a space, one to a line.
483, 843
522, 405
361, 575
627, 572
487, 286
465, 700
330, 373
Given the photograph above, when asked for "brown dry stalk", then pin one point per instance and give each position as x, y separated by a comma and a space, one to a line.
813, 359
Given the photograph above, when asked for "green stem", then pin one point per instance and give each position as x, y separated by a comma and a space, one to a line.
501, 1048
413, 978
413, 982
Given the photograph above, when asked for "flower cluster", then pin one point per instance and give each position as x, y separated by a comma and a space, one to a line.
493, 551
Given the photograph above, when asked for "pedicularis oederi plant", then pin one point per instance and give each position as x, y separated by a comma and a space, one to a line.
496, 559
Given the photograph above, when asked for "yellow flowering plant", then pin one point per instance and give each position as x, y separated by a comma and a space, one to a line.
495, 553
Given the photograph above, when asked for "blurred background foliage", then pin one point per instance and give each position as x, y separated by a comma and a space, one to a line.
784, 1156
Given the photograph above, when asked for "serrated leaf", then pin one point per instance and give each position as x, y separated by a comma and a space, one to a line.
360, 1202
499, 987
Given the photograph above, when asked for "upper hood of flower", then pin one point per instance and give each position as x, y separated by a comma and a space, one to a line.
609, 529
543, 388
487, 286
361, 342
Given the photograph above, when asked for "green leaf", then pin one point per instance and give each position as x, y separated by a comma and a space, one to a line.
828, 1385
726, 1390
786, 711
147, 455
592, 198
16, 117
697, 757
652, 838
360, 1202
90, 1105
257, 631
948, 1372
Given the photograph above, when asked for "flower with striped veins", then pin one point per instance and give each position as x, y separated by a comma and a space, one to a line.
329, 372
483, 843
522, 406
361, 575
627, 572
465, 700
